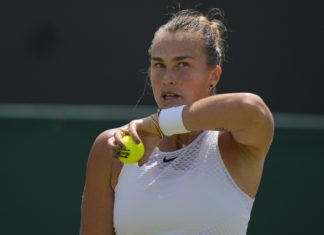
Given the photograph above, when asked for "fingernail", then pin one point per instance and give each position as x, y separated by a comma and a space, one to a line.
121, 146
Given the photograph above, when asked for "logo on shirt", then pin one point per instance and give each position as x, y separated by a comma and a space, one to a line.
169, 160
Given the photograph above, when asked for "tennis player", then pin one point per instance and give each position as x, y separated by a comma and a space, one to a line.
204, 152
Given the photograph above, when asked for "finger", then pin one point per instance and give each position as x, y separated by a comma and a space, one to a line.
118, 138
114, 148
112, 143
132, 129
143, 160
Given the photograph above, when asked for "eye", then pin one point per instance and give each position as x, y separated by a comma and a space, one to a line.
158, 65
183, 65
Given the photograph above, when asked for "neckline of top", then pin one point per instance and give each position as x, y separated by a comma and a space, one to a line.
200, 136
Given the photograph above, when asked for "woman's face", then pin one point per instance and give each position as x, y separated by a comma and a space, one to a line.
179, 71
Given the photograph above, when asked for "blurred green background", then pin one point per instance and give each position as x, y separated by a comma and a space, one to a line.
43, 169
63, 59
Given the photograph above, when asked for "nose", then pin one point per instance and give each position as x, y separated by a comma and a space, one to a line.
169, 77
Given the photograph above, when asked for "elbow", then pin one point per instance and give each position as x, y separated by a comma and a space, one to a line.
256, 109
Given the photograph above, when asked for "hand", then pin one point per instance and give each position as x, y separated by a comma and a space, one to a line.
144, 130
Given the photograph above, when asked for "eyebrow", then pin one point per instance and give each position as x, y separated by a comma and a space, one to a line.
175, 58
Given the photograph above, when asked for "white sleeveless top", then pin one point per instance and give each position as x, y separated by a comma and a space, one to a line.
193, 194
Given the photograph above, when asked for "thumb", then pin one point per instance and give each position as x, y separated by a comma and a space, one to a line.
146, 156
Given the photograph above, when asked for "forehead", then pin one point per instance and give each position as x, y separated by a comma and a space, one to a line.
173, 44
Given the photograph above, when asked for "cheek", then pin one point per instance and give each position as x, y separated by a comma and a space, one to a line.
153, 79
197, 80
197, 87
155, 84
155, 76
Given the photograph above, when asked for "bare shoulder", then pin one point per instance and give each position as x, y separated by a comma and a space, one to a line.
103, 136
100, 146
101, 154
100, 162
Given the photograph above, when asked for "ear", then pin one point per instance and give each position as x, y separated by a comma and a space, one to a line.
215, 75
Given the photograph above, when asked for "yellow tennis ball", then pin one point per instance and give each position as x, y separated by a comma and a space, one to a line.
132, 152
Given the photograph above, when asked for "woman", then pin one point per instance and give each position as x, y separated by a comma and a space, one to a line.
204, 153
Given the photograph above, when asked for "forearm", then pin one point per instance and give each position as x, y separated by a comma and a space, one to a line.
228, 111
243, 114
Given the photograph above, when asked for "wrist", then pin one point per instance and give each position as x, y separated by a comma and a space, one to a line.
155, 124
171, 122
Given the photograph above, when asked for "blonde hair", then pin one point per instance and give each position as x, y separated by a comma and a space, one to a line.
209, 28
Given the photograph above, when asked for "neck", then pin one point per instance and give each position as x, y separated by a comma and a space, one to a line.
175, 142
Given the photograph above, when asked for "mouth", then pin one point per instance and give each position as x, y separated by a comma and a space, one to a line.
169, 95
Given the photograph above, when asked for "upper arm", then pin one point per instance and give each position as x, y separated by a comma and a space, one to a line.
255, 138
98, 195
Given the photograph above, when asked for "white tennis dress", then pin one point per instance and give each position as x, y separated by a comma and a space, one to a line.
192, 194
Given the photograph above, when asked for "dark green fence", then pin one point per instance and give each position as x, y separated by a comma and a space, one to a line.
43, 164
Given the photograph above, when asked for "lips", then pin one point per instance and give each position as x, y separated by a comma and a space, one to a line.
169, 95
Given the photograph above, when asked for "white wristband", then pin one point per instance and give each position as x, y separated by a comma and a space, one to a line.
170, 121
